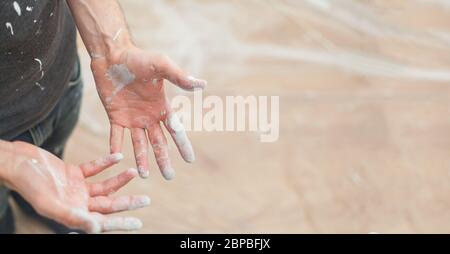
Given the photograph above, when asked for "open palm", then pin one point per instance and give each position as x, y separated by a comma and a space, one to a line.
59, 191
131, 87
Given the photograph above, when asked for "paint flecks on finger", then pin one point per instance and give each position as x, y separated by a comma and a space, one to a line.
168, 173
94, 167
179, 135
139, 202
116, 157
197, 84
174, 123
143, 172
109, 159
121, 223
130, 203
90, 224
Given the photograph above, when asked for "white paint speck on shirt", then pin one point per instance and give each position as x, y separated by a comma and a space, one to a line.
9, 26
17, 8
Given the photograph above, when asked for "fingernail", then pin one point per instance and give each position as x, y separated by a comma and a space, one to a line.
143, 173
174, 122
92, 226
168, 173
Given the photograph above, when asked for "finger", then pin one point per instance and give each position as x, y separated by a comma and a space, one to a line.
81, 219
180, 138
104, 205
91, 222
160, 150
116, 138
118, 223
71, 217
178, 77
95, 167
112, 184
140, 146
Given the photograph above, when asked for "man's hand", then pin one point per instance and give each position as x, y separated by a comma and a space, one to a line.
130, 83
60, 191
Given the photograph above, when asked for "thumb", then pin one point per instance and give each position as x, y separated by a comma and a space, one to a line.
179, 77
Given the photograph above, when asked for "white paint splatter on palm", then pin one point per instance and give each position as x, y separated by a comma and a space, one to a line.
120, 76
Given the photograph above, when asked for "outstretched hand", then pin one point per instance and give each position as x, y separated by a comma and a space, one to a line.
131, 86
60, 191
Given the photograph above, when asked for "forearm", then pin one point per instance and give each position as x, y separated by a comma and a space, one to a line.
7, 156
102, 26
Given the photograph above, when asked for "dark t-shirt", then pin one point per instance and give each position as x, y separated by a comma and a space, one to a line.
37, 55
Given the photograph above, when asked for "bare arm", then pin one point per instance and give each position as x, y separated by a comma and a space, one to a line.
102, 26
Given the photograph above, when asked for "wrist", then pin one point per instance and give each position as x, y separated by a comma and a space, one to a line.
110, 46
118, 43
